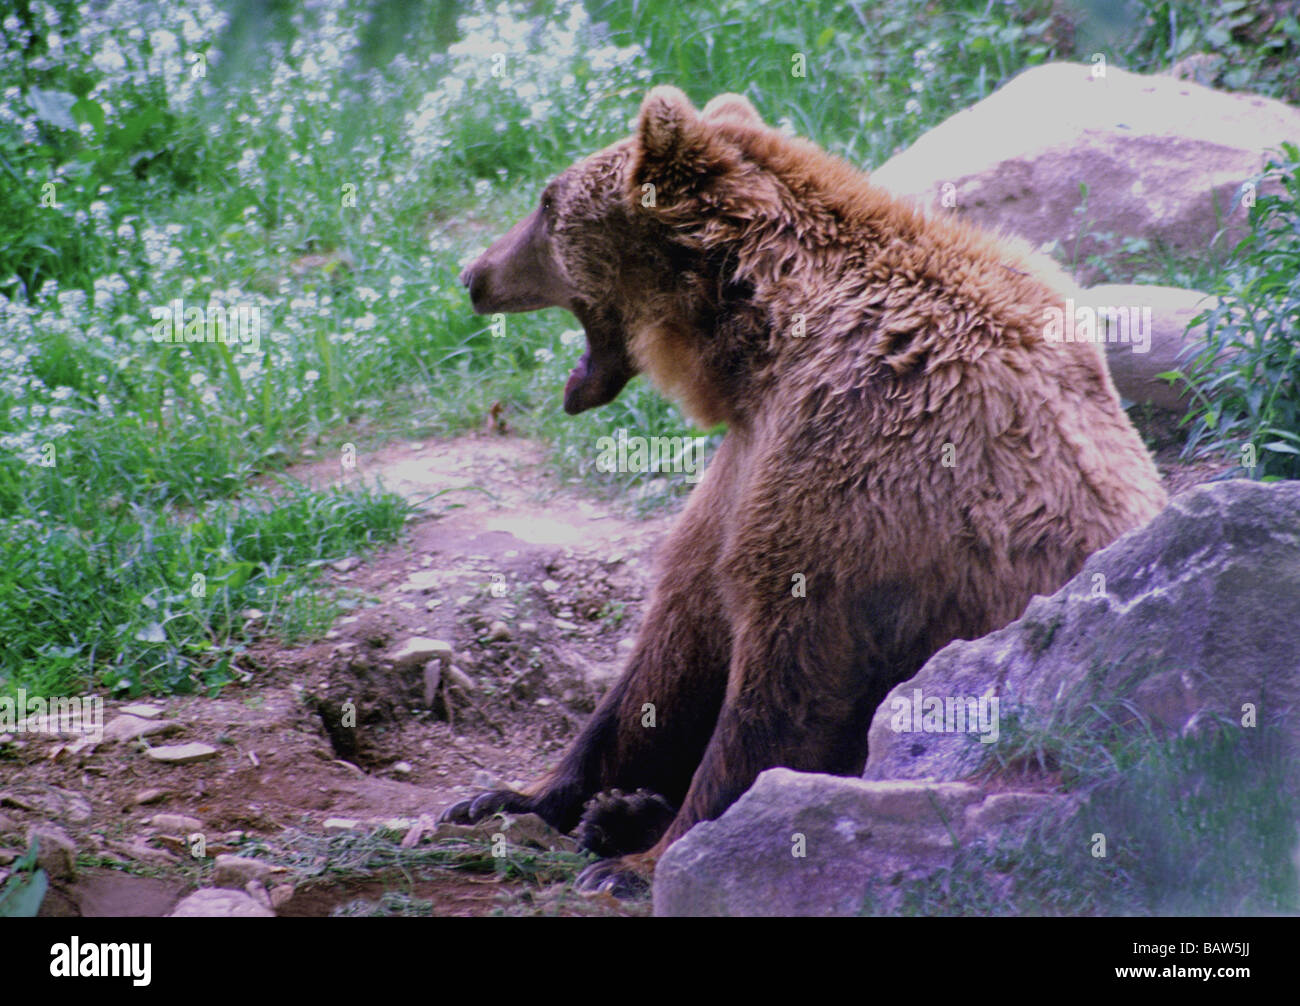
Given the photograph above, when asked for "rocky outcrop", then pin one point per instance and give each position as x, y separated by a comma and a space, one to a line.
1194, 616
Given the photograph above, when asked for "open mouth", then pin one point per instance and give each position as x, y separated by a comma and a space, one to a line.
573, 386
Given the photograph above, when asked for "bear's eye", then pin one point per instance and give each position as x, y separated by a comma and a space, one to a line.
546, 204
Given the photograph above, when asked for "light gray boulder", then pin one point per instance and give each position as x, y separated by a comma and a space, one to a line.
1163, 159
799, 843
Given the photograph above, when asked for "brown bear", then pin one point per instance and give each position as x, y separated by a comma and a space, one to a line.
908, 458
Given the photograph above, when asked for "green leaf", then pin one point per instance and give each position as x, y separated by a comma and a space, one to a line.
22, 896
236, 574
89, 111
1218, 36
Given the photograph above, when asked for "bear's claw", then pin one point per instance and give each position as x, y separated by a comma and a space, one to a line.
622, 878
476, 808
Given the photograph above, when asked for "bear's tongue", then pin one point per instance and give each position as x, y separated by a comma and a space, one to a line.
576, 376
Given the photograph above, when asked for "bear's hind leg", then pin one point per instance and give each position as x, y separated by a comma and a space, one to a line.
651, 729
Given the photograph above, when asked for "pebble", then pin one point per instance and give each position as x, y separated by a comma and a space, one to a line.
177, 824
183, 754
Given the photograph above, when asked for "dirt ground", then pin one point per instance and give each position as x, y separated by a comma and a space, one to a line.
564, 576
537, 587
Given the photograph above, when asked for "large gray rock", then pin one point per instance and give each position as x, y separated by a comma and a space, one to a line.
805, 844
1158, 156
1194, 616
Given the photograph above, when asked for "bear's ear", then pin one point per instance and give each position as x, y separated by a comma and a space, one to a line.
668, 123
676, 155
731, 107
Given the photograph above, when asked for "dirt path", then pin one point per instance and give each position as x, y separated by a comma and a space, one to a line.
537, 588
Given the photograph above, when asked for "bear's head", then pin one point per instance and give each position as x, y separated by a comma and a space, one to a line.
618, 239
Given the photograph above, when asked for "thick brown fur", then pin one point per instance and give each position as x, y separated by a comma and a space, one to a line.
900, 433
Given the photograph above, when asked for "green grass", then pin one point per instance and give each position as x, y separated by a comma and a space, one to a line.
526, 871
334, 168
158, 602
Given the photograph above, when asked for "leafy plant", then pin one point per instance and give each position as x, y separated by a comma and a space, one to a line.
1246, 378
25, 889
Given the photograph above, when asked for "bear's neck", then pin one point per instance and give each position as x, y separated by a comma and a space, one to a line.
709, 366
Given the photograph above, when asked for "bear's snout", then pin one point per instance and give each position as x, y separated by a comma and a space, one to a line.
474, 279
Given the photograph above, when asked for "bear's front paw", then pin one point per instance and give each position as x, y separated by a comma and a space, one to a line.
617, 823
628, 877
476, 808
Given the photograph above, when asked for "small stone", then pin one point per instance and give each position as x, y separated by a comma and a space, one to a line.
142, 710
214, 902
347, 564
143, 853
550, 586
403, 768
498, 632
461, 680
627, 643
238, 871
175, 843
183, 754
527, 628
57, 853
422, 581
341, 824
176, 824
129, 728
565, 624
418, 650
146, 796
